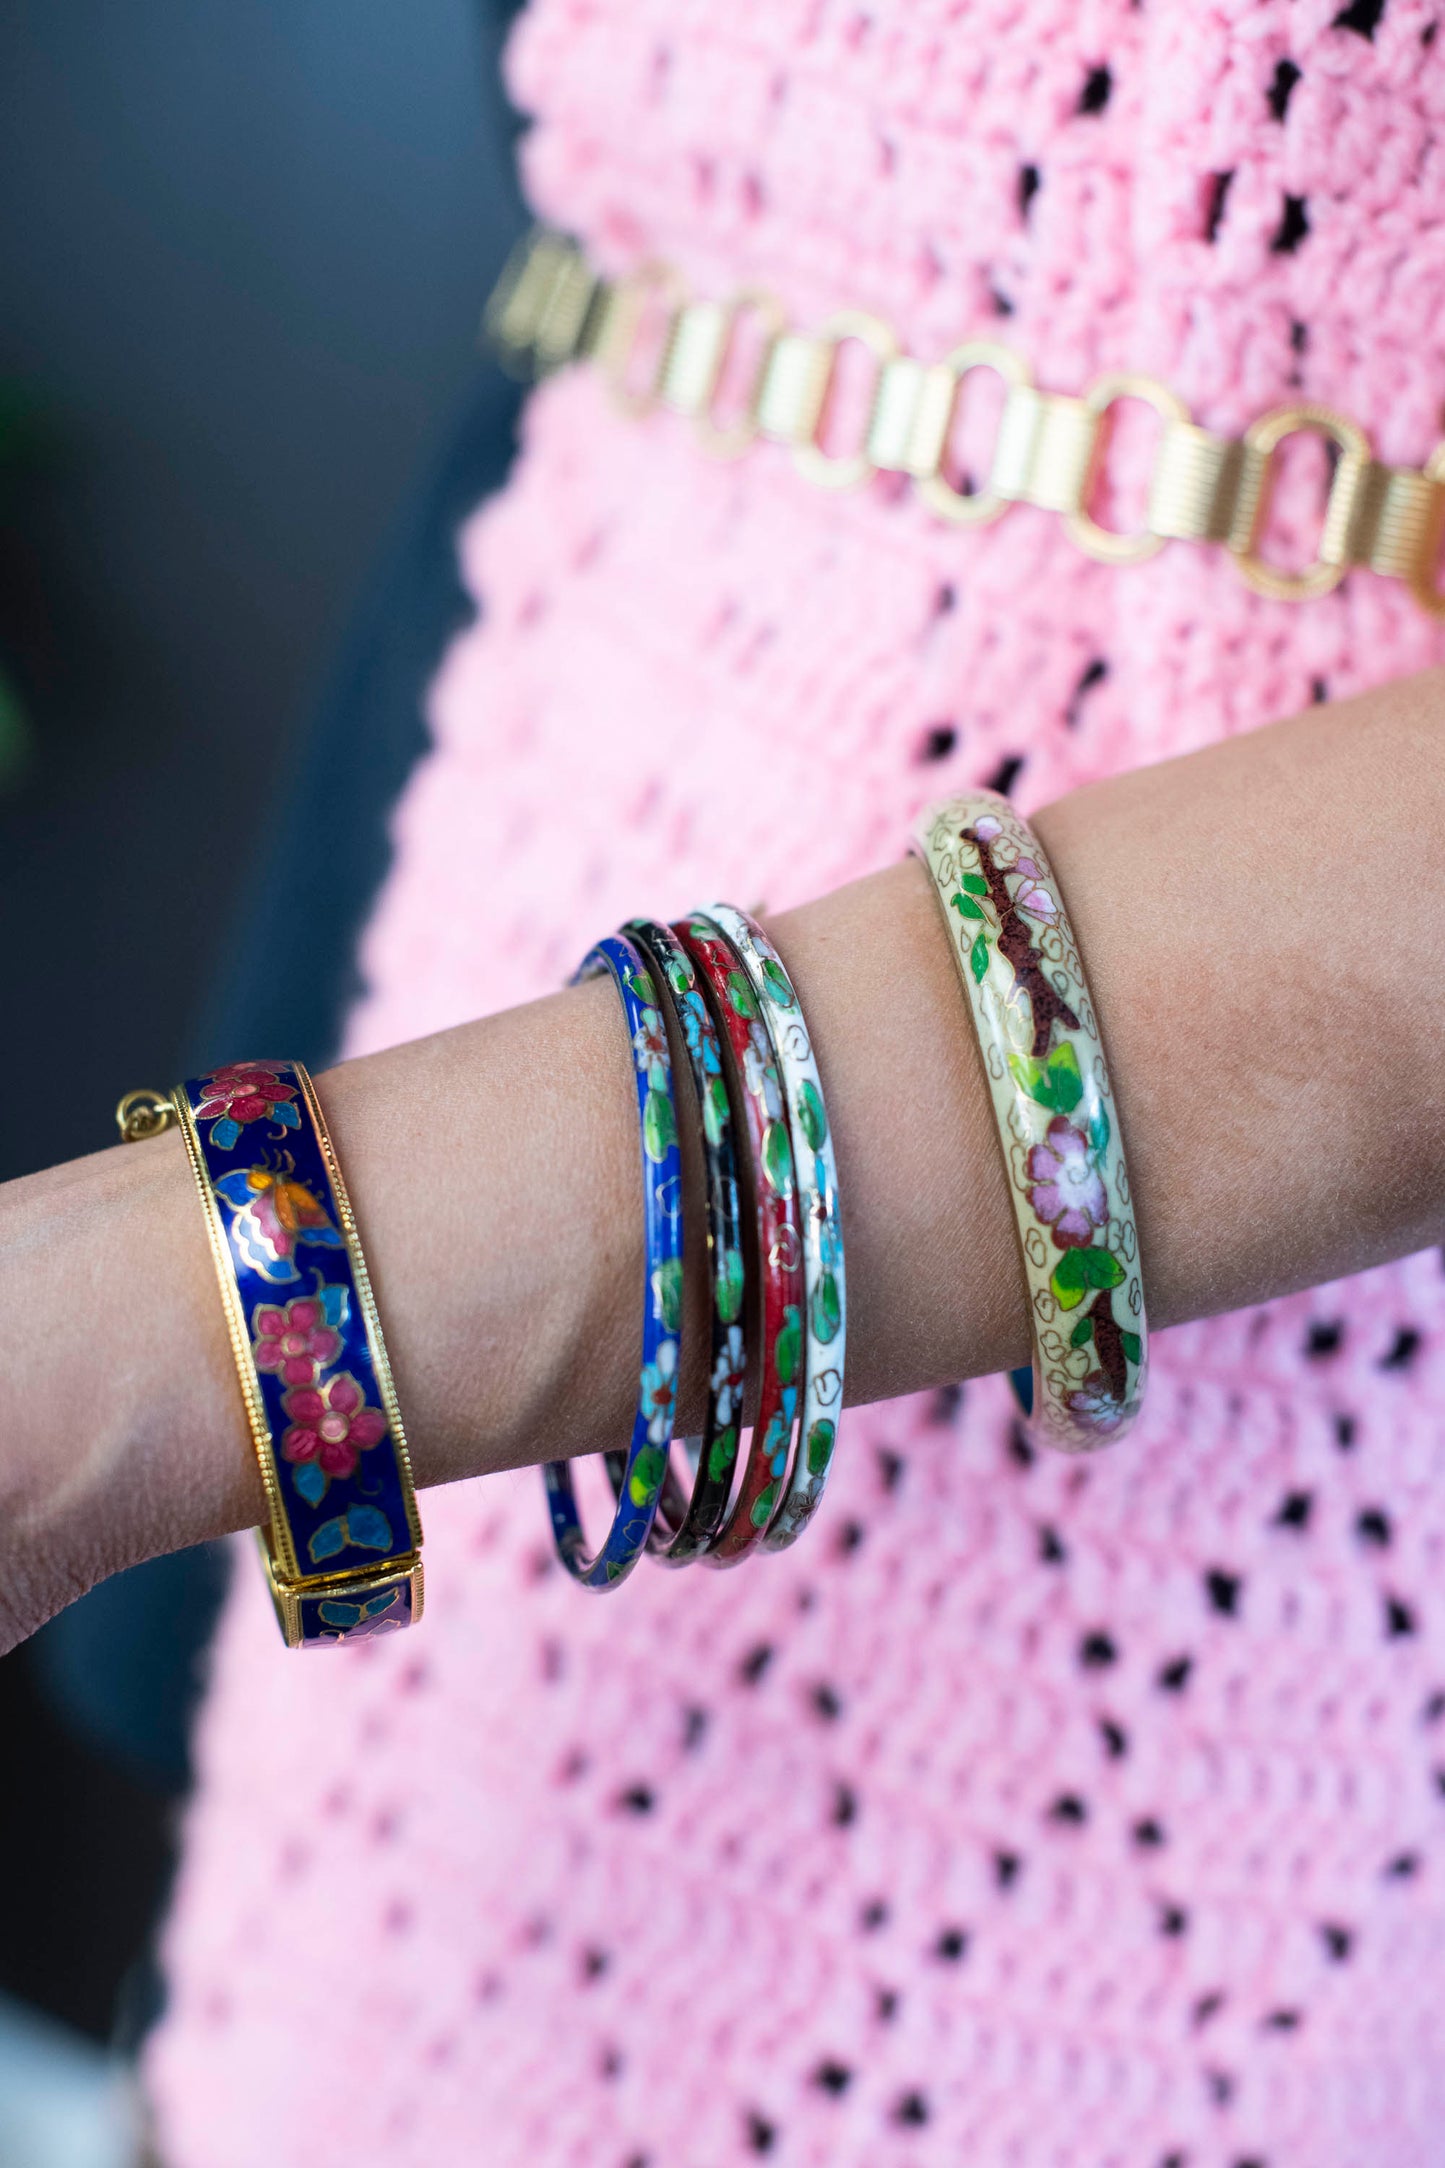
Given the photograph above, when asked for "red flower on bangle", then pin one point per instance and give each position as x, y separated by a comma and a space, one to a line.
331, 1424
295, 1341
242, 1092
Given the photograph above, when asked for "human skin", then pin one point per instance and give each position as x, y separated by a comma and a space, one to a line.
1263, 925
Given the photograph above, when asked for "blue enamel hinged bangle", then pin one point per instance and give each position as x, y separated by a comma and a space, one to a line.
342, 1540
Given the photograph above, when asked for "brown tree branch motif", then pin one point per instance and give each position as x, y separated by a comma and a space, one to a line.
1109, 1345
1046, 1004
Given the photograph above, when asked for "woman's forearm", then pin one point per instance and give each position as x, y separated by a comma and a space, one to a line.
1264, 929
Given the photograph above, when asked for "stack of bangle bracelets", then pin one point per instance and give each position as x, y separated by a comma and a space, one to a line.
781, 1295
342, 1542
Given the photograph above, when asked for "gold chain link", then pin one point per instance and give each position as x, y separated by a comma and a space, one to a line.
1049, 449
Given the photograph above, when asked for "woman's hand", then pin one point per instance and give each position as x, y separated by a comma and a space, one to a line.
1264, 930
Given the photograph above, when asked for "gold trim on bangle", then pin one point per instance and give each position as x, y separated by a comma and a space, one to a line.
348, 1485
1058, 1124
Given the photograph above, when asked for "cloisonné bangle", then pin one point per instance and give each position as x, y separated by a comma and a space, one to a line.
826, 1306
1036, 1026
641, 1473
780, 1249
684, 1528
342, 1539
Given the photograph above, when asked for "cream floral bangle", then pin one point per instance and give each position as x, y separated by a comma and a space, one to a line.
1057, 1123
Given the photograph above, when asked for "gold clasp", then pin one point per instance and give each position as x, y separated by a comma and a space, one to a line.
144, 1114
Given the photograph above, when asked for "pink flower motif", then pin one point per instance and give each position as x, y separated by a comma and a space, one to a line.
295, 1342
1029, 866
331, 1424
244, 1091
1093, 1404
1034, 898
1066, 1190
986, 828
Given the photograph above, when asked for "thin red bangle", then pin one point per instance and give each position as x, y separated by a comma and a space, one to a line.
780, 1246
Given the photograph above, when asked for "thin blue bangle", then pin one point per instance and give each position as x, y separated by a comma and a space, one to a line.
645, 1466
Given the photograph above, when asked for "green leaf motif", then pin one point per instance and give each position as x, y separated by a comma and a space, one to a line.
728, 1291
1055, 1083
715, 1110
667, 1281
978, 959
788, 1352
827, 1310
974, 883
641, 985
1133, 1347
763, 1505
1098, 1132
965, 905
645, 1481
820, 1445
659, 1128
811, 1115
741, 995
679, 975
778, 1158
1079, 1270
722, 1453
778, 983
1082, 1333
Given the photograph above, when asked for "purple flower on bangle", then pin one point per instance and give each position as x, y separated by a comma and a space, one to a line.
1066, 1188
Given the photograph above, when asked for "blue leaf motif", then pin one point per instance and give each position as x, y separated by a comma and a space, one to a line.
329, 1538
339, 1614
368, 1528
310, 1480
335, 1305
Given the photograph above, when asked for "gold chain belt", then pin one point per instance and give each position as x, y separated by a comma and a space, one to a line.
550, 308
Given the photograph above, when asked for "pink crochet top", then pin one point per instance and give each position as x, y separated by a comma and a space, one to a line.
1029, 1814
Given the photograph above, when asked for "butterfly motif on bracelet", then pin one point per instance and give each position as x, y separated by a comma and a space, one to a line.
272, 1215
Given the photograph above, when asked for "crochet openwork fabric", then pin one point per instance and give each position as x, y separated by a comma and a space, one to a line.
1028, 1814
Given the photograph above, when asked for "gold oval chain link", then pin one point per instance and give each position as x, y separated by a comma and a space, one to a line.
1049, 448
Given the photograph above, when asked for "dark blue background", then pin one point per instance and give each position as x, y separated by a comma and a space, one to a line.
243, 248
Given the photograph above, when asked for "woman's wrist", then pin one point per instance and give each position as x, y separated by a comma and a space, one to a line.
121, 1431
